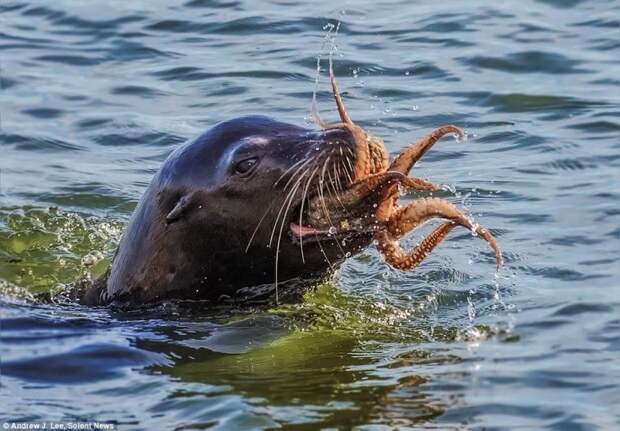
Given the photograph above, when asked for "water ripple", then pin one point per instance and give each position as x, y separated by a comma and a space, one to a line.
96, 95
528, 62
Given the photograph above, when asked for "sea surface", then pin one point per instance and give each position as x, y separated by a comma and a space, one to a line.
95, 95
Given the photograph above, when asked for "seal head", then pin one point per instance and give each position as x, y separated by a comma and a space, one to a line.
226, 211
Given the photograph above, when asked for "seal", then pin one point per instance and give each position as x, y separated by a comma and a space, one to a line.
225, 211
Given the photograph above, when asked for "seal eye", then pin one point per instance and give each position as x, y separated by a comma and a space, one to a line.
244, 167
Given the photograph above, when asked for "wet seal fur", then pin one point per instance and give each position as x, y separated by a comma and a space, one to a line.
215, 218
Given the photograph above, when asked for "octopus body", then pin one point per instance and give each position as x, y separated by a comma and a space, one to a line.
376, 182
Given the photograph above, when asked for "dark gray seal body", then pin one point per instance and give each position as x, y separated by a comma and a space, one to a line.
224, 212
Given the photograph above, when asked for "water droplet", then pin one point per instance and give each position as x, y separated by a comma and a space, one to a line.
471, 309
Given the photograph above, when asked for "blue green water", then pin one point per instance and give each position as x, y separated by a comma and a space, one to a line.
94, 96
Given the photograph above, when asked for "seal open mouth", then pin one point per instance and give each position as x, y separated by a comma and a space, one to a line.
333, 226
317, 218
340, 214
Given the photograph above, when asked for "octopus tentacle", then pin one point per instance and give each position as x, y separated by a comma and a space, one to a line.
405, 160
378, 155
419, 184
344, 117
370, 157
387, 202
396, 257
363, 166
376, 184
364, 157
409, 217
372, 185
342, 112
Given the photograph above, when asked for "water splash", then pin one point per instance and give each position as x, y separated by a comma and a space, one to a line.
47, 248
331, 32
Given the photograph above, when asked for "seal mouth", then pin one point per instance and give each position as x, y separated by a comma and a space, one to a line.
301, 231
301, 228
311, 234
351, 211
318, 219
340, 214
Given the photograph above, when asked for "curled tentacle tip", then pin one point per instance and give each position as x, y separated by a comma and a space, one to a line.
484, 233
458, 133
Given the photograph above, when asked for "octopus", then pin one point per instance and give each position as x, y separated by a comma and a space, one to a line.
371, 199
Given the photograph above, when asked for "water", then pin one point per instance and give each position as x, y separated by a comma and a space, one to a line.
96, 94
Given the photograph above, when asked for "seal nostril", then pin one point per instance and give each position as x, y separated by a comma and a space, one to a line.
172, 269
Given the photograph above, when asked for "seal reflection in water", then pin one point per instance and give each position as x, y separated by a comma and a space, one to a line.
254, 201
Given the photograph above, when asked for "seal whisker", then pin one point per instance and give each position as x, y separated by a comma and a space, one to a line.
287, 171
288, 207
288, 195
332, 185
340, 189
337, 179
325, 210
322, 180
258, 225
331, 266
336, 190
297, 171
337, 183
339, 175
301, 211
350, 171
272, 204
